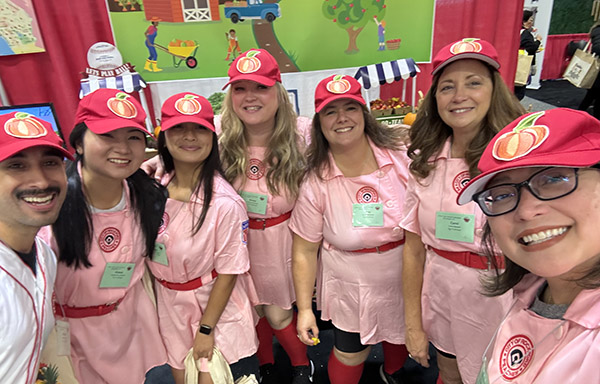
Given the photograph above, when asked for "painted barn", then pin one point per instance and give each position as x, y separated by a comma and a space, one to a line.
182, 11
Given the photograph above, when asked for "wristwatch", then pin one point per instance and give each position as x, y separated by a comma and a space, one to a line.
205, 329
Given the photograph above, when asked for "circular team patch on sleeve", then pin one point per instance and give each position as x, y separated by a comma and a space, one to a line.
164, 221
367, 195
109, 239
516, 356
255, 170
460, 181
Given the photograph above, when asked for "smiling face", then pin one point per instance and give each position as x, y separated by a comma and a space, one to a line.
33, 186
556, 238
464, 95
255, 104
112, 156
342, 124
529, 23
189, 143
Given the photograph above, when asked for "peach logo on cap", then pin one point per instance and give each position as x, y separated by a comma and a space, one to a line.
338, 85
524, 138
249, 63
120, 106
188, 105
465, 45
24, 126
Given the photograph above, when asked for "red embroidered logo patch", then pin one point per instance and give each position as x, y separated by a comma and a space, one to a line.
516, 356
164, 222
367, 195
109, 239
460, 181
255, 170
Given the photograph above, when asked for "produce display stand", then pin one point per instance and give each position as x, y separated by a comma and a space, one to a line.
388, 72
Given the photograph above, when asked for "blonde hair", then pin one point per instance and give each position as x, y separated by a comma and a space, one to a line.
284, 156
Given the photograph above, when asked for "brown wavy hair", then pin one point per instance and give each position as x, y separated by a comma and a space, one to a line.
381, 135
284, 156
429, 132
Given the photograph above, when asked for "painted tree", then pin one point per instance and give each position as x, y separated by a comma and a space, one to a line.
353, 16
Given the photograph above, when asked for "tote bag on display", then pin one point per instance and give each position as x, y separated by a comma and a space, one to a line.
583, 68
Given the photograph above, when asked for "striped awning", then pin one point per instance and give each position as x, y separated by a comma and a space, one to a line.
388, 72
127, 82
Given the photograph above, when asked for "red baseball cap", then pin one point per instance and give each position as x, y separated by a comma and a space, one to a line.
558, 137
106, 110
337, 87
21, 131
468, 48
255, 65
186, 107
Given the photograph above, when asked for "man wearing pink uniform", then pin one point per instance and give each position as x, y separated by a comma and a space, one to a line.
201, 261
542, 200
33, 187
349, 208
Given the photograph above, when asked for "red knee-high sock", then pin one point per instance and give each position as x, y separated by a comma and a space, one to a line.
340, 373
265, 342
288, 338
394, 356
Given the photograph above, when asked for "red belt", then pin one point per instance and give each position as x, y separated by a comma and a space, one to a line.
188, 286
81, 312
266, 223
381, 248
469, 259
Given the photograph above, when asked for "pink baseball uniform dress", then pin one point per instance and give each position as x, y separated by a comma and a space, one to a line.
122, 345
458, 319
360, 292
270, 239
218, 247
533, 349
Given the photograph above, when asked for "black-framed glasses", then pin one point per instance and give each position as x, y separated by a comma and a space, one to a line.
546, 184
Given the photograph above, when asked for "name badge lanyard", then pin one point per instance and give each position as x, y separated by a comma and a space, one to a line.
483, 377
443, 217
380, 174
159, 255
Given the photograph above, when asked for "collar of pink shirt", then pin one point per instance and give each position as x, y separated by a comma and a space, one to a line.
382, 156
584, 310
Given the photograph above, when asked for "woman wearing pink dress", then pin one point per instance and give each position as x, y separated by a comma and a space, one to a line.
262, 146
201, 263
467, 104
348, 210
102, 237
542, 202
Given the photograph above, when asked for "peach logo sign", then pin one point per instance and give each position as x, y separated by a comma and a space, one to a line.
465, 45
188, 105
24, 126
523, 138
338, 85
120, 106
249, 63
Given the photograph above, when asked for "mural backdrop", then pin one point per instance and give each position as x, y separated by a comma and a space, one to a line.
183, 39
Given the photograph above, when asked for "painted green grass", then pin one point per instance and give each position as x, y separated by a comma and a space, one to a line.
129, 28
313, 44
408, 20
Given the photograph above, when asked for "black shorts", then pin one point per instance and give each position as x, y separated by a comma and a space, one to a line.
348, 342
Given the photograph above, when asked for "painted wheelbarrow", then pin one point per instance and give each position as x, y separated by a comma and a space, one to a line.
180, 54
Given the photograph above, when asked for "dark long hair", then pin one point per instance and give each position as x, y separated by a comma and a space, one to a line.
73, 230
210, 167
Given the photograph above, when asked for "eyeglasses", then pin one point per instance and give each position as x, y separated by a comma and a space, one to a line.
547, 184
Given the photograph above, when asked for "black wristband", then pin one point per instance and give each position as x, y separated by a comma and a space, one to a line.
205, 329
